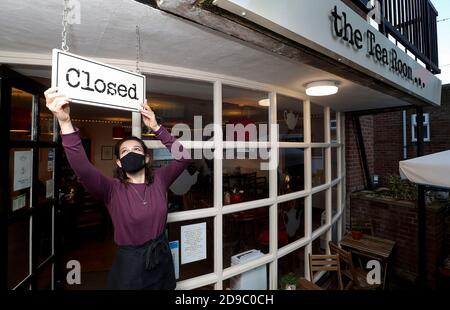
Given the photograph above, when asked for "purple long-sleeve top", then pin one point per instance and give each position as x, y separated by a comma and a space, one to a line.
134, 223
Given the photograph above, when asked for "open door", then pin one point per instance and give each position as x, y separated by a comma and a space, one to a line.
28, 185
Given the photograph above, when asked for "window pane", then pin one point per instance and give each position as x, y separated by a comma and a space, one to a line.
45, 122
46, 166
242, 108
243, 231
179, 101
44, 279
244, 180
291, 221
318, 166
293, 262
319, 245
195, 268
18, 251
20, 174
317, 123
194, 188
333, 126
334, 201
334, 162
254, 279
42, 233
291, 171
318, 210
290, 119
21, 115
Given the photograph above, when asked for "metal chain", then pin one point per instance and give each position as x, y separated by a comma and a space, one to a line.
64, 45
138, 49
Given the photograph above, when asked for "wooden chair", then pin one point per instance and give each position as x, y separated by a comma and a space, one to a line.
325, 263
357, 276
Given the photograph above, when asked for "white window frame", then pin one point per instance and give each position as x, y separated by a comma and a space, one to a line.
426, 127
217, 212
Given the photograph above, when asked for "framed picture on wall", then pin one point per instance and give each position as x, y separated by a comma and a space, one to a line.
107, 152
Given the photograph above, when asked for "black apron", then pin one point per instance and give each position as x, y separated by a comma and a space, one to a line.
144, 267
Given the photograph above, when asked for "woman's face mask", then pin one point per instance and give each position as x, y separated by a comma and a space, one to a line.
132, 162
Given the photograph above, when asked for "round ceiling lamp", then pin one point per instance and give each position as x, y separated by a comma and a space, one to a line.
321, 88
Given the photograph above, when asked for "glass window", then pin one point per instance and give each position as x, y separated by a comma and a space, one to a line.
290, 119
245, 114
18, 252
180, 101
45, 122
187, 268
426, 127
318, 166
44, 279
254, 279
291, 171
318, 210
319, 245
293, 262
244, 231
194, 188
21, 114
45, 188
42, 233
334, 162
244, 180
334, 200
20, 174
317, 123
333, 126
291, 221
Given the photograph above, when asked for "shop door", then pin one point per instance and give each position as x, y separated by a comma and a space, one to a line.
28, 188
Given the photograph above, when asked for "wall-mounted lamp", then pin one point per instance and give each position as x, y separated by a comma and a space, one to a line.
321, 88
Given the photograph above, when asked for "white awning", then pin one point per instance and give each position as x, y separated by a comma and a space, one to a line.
432, 170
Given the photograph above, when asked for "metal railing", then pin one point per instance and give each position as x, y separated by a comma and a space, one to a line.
413, 23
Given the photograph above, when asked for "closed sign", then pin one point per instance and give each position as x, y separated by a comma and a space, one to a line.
90, 82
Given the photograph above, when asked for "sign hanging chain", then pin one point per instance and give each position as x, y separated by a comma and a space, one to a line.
138, 49
64, 45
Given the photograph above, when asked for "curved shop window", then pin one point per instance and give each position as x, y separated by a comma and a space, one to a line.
227, 211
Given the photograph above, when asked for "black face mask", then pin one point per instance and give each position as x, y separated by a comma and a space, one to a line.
132, 162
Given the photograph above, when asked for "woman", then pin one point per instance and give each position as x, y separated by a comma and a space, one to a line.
136, 199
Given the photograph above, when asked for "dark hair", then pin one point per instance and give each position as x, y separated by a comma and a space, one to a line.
120, 173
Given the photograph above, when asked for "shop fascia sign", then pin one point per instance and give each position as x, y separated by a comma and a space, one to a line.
332, 28
90, 82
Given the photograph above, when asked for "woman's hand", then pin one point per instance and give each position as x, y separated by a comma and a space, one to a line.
148, 116
58, 104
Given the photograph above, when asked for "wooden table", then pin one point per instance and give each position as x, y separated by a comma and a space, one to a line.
304, 284
372, 247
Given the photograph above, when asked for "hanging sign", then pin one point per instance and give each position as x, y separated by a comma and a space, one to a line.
86, 81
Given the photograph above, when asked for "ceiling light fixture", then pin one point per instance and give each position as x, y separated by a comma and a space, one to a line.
321, 88
264, 102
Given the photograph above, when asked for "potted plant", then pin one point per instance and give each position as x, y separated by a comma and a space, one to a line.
289, 281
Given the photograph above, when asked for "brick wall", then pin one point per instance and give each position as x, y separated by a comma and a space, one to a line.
398, 221
388, 136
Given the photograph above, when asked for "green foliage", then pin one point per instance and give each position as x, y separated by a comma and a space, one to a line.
401, 189
288, 279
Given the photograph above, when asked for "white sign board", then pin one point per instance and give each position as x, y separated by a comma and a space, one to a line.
23, 165
334, 29
90, 82
193, 243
